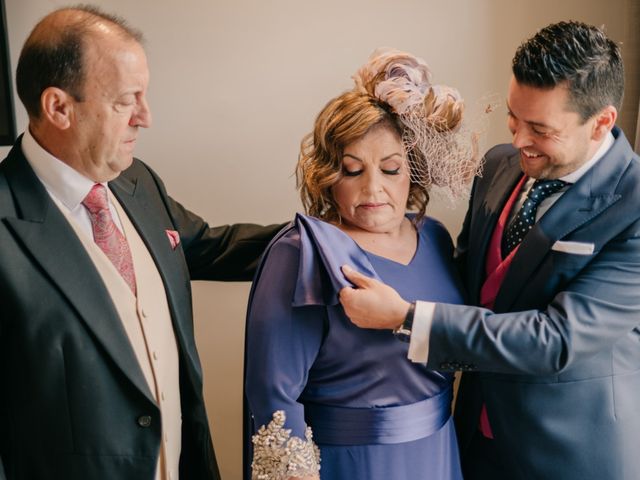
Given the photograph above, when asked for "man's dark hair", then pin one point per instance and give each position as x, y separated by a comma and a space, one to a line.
579, 56
53, 54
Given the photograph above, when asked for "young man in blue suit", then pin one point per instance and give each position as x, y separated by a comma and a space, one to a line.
99, 373
550, 253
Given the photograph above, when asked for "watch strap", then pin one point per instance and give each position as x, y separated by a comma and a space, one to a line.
403, 332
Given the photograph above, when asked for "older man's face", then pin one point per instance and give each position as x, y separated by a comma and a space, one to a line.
114, 106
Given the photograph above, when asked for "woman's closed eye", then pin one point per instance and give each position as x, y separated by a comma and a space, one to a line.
355, 173
351, 173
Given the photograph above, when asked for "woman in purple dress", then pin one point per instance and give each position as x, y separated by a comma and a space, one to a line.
326, 399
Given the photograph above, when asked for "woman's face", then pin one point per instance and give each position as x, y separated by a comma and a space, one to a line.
373, 193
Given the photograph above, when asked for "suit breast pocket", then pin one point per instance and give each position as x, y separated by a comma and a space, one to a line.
567, 265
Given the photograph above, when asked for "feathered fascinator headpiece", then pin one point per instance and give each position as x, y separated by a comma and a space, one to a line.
441, 150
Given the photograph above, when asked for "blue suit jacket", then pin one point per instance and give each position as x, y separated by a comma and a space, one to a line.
71, 390
558, 361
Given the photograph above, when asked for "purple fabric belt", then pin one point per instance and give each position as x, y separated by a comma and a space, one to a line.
369, 426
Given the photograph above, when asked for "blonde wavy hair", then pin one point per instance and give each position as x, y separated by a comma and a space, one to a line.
392, 90
344, 120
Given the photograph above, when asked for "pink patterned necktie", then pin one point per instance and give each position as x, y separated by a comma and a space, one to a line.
107, 235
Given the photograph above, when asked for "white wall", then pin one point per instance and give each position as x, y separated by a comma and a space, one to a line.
236, 84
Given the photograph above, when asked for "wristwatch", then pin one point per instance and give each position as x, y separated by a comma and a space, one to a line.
403, 331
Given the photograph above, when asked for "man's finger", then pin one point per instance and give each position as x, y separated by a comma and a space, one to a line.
348, 299
344, 293
358, 279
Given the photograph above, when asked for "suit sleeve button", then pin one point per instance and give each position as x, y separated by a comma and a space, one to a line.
144, 421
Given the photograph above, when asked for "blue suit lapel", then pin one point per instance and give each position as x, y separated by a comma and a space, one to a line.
503, 181
584, 201
51, 241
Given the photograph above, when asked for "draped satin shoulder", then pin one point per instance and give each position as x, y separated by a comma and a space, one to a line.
324, 248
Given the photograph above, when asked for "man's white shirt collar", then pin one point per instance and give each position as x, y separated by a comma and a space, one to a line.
63, 182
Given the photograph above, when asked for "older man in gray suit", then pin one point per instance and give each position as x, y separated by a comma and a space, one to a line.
99, 373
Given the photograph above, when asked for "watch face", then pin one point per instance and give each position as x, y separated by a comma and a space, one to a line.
402, 334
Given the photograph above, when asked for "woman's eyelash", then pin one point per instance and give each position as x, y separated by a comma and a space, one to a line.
355, 173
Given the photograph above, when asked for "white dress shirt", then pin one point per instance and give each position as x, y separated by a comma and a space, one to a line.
419, 345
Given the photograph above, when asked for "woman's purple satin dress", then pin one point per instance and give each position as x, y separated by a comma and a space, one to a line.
375, 414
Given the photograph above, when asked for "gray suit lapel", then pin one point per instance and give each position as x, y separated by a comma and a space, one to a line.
148, 222
46, 234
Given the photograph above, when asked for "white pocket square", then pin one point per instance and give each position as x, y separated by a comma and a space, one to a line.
577, 248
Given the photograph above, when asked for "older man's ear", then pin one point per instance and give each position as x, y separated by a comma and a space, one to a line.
56, 107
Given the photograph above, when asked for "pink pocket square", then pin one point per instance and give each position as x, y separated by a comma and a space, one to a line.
174, 238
